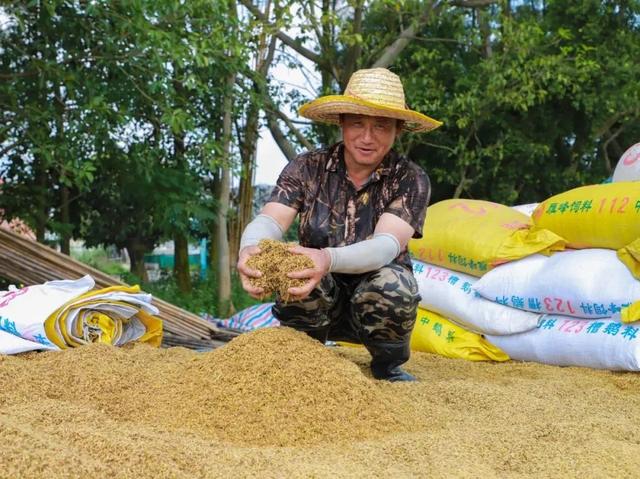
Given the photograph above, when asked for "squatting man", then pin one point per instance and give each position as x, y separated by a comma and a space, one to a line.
359, 203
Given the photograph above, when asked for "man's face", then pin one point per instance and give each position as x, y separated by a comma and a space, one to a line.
367, 139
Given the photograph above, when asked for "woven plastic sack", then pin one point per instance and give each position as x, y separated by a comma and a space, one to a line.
12, 344
588, 283
597, 216
61, 314
474, 236
566, 341
451, 294
435, 334
526, 209
23, 311
628, 167
251, 318
115, 315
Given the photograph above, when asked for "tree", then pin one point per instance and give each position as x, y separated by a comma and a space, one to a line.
139, 83
527, 105
532, 118
43, 94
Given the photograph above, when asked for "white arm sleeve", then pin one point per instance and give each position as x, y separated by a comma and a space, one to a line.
364, 256
262, 227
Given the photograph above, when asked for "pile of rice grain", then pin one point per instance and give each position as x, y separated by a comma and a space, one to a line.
273, 386
274, 262
140, 412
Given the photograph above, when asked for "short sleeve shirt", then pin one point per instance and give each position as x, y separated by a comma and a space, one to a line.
333, 213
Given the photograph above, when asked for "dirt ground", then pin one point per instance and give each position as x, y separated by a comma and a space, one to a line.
274, 403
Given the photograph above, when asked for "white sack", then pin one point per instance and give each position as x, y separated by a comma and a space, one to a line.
587, 283
451, 294
566, 341
628, 167
526, 209
12, 344
24, 311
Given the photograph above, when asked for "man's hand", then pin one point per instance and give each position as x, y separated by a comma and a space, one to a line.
246, 273
322, 261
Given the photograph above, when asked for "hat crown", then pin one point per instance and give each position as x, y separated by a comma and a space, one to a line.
377, 85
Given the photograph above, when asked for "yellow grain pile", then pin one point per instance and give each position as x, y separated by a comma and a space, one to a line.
275, 404
274, 386
275, 261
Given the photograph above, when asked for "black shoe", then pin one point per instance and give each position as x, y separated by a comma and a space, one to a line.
386, 359
397, 374
321, 334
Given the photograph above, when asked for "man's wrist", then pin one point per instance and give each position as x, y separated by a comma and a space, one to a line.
329, 259
262, 227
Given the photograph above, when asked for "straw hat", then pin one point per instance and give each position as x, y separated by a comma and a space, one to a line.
373, 92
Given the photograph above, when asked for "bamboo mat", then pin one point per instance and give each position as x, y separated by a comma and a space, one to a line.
28, 262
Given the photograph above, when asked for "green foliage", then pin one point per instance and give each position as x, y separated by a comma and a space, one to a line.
121, 103
202, 298
98, 258
536, 97
118, 106
534, 115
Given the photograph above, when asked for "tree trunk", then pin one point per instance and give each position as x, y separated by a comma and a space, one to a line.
280, 138
355, 50
180, 236
40, 199
40, 164
245, 193
327, 133
225, 306
136, 250
244, 209
485, 32
65, 237
462, 184
213, 226
65, 222
181, 262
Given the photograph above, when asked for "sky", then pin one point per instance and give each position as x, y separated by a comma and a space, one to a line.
269, 159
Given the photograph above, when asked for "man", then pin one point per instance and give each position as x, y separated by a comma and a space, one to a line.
359, 204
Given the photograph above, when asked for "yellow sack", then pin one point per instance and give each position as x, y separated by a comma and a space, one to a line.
474, 236
597, 216
153, 327
435, 334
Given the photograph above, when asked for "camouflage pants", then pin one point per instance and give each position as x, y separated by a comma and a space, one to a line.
379, 306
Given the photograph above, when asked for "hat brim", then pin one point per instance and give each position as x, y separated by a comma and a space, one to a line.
327, 109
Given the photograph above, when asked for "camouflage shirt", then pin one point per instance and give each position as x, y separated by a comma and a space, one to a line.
333, 213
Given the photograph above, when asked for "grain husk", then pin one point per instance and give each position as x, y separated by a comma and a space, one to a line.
277, 404
275, 261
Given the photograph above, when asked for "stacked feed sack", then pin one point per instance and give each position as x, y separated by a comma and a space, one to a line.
463, 240
590, 294
584, 294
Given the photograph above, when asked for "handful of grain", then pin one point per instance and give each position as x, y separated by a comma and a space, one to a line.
274, 262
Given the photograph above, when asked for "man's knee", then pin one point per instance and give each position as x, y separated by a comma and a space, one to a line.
385, 303
312, 311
